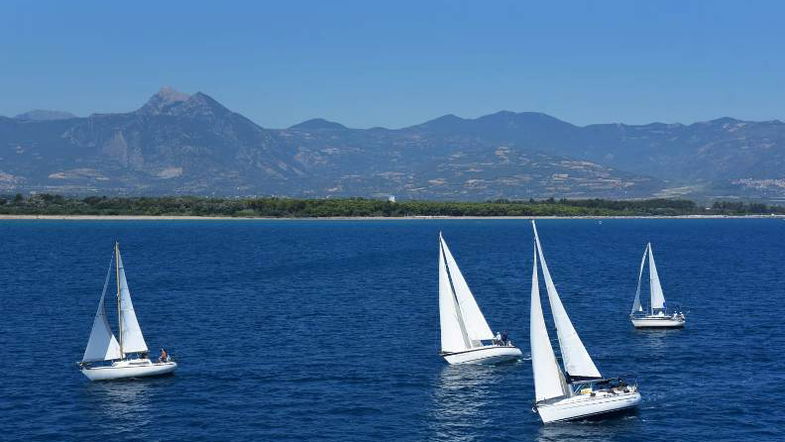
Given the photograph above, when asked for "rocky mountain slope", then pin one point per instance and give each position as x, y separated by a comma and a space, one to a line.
191, 144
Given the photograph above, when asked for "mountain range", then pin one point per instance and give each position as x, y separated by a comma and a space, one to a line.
190, 144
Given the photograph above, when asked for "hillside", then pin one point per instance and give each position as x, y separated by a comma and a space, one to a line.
190, 144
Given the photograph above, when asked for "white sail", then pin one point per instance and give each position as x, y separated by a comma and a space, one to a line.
577, 362
657, 297
636, 305
102, 345
131, 334
548, 377
474, 322
453, 333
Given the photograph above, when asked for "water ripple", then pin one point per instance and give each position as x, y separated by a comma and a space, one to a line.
329, 330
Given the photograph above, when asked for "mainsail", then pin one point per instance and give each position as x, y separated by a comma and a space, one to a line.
636, 305
548, 377
577, 362
472, 324
131, 335
102, 345
657, 297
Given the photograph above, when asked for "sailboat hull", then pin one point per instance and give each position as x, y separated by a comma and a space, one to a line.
586, 406
129, 369
658, 322
489, 355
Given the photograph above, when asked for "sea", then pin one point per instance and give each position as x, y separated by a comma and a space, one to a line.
329, 330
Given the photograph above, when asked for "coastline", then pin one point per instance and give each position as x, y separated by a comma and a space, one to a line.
353, 218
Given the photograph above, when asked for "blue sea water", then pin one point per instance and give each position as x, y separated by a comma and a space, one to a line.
328, 330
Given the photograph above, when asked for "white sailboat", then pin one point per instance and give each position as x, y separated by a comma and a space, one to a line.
128, 355
658, 316
579, 391
466, 337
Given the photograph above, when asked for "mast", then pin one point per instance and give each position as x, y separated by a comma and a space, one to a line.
119, 306
651, 292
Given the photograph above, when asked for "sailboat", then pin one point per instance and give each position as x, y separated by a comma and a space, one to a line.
465, 334
579, 390
658, 315
128, 355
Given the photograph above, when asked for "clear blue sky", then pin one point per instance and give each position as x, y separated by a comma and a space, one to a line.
397, 63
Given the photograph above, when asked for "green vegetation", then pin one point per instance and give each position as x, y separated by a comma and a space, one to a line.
46, 204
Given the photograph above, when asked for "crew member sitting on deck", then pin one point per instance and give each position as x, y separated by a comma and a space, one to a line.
505, 338
164, 356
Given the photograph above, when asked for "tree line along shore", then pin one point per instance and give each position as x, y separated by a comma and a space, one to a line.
48, 204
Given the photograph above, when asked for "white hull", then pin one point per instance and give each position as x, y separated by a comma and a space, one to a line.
134, 368
585, 406
492, 354
658, 322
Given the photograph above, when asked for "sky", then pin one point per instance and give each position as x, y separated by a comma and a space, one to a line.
399, 63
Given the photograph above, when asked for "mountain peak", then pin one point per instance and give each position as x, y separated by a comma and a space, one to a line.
172, 103
502, 120
318, 124
171, 95
44, 115
165, 98
724, 120
520, 116
445, 118
504, 113
443, 123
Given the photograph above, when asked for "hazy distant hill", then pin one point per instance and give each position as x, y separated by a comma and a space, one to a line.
191, 144
421, 163
42, 115
317, 124
722, 149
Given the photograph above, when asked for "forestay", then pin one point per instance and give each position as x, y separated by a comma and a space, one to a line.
132, 338
657, 297
476, 326
577, 362
548, 377
102, 345
453, 333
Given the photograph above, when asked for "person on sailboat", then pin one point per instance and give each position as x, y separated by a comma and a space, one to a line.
505, 338
497, 340
164, 356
